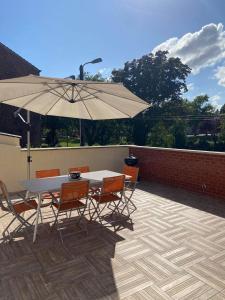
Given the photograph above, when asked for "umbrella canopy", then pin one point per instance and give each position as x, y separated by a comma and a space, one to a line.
71, 98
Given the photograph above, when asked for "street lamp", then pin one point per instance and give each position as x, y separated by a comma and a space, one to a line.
94, 61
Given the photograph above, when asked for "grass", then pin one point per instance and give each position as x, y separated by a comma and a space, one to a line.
69, 143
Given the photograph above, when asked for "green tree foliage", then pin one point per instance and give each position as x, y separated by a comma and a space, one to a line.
222, 130
156, 79
222, 110
171, 121
160, 136
96, 131
200, 108
52, 127
178, 130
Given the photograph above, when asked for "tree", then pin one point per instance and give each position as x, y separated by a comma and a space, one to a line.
222, 127
200, 108
156, 79
179, 132
52, 126
222, 109
90, 127
160, 136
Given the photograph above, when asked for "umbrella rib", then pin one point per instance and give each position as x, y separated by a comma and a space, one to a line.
91, 88
66, 91
34, 93
57, 101
24, 106
57, 93
68, 96
86, 97
78, 92
40, 82
108, 104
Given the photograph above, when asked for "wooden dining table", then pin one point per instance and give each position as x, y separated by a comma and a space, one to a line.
39, 186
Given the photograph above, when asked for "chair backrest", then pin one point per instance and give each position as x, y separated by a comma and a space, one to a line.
131, 171
113, 184
82, 169
74, 191
47, 173
5, 196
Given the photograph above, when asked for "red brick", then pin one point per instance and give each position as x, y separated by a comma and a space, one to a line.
183, 168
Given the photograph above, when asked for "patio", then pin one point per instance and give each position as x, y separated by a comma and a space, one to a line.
174, 250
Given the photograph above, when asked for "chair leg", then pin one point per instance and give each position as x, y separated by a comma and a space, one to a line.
98, 212
126, 206
56, 218
6, 229
81, 214
90, 209
56, 223
117, 205
24, 222
94, 212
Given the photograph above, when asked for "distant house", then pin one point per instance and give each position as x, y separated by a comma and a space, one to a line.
13, 65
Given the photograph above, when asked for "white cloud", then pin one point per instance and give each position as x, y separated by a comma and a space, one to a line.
220, 75
190, 86
105, 71
215, 101
199, 49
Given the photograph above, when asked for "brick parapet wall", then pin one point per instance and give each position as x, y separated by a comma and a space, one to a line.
198, 171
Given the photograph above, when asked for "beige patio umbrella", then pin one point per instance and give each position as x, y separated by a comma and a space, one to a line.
70, 98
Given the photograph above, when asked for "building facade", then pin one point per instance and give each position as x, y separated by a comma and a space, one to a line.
13, 65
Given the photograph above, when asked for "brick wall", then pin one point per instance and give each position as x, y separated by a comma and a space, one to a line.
198, 171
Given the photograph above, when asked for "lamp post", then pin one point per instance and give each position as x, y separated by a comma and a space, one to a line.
95, 61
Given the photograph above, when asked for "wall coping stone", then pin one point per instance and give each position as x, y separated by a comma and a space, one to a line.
10, 135
179, 150
76, 148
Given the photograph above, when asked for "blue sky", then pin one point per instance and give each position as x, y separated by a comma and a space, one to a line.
57, 36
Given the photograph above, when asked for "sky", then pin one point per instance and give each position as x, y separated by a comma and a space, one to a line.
57, 36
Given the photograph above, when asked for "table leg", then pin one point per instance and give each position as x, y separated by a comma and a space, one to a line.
37, 217
27, 194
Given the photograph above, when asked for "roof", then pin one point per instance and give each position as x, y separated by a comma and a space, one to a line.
13, 65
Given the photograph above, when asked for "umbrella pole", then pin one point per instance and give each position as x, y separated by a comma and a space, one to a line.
28, 146
81, 134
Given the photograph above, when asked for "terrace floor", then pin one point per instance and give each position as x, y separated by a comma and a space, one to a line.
174, 250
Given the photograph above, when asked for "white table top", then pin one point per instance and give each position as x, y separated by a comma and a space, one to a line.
50, 184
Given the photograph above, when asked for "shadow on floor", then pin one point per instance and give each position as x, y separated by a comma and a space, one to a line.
202, 202
81, 268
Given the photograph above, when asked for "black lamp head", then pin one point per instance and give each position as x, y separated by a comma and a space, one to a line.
97, 60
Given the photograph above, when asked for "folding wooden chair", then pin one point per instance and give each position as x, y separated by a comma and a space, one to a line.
73, 196
45, 174
130, 186
112, 191
17, 208
82, 169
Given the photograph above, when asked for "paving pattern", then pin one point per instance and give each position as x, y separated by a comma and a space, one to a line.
175, 249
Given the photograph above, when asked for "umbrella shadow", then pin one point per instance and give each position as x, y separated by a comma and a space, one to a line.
79, 268
196, 200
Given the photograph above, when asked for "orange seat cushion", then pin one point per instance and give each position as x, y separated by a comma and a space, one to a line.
23, 206
48, 196
106, 198
69, 205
